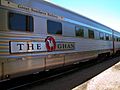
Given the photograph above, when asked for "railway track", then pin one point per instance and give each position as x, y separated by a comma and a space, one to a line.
47, 76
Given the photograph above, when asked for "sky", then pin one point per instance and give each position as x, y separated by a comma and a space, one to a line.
106, 12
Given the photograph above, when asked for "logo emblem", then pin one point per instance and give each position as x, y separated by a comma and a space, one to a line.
50, 43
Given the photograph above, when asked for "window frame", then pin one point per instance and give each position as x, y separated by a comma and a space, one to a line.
91, 31
101, 36
107, 36
116, 38
61, 33
27, 24
81, 28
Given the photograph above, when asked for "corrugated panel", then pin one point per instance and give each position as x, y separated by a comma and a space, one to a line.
4, 46
6, 37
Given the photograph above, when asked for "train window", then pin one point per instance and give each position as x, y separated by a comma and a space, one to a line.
79, 31
111, 37
117, 39
107, 36
101, 35
54, 27
20, 22
91, 33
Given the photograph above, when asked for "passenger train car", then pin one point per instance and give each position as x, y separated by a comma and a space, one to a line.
37, 36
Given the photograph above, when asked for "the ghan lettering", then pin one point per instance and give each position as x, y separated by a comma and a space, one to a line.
17, 47
20, 46
65, 46
30, 46
38, 46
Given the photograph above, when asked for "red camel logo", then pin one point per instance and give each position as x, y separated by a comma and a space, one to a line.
50, 43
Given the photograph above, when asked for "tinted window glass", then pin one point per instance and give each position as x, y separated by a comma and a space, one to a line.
114, 38
20, 22
117, 39
90, 33
101, 36
54, 27
79, 31
111, 38
107, 36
